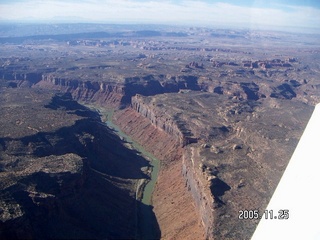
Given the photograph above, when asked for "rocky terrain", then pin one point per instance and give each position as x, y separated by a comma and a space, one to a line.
228, 160
222, 113
63, 173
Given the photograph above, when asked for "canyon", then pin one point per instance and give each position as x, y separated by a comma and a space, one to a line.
222, 119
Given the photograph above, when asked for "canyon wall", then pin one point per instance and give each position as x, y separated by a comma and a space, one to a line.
163, 122
173, 204
21, 79
118, 92
178, 167
221, 170
196, 183
200, 190
94, 92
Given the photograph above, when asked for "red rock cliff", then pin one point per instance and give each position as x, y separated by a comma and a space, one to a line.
173, 203
87, 91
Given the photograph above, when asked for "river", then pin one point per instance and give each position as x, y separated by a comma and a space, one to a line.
146, 216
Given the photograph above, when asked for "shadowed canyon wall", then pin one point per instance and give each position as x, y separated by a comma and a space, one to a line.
66, 177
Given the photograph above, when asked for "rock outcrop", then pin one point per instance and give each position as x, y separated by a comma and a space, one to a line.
118, 93
217, 167
200, 190
99, 93
164, 122
22, 79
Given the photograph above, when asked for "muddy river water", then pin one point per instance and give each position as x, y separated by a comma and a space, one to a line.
145, 214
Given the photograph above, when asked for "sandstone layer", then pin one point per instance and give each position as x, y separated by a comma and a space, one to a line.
173, 204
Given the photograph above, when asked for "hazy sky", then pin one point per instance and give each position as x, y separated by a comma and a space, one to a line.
251, 13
